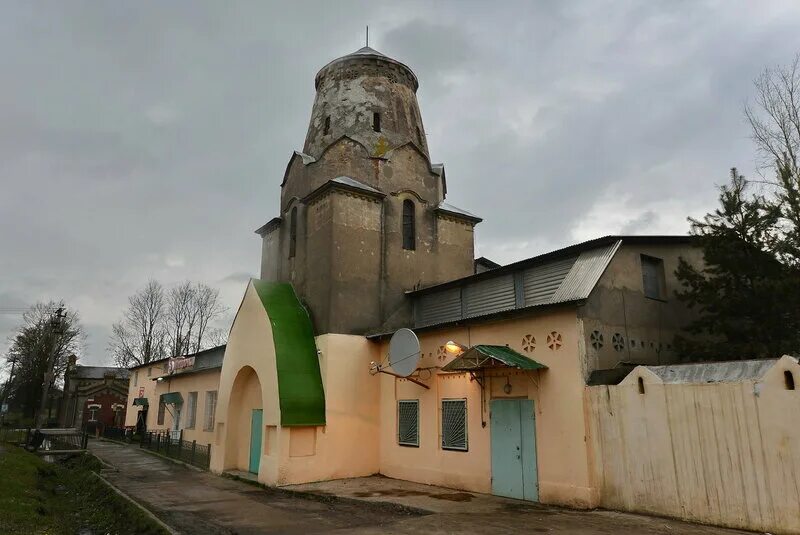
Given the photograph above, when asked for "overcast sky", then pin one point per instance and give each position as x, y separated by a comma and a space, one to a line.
147, 140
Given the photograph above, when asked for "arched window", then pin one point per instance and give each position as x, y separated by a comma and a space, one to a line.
409, 232
788, 380
293, 232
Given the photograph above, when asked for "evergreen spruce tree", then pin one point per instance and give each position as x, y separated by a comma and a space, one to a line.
747, 294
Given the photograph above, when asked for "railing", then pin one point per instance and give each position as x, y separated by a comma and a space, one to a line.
14, 436
171, 444
46, 440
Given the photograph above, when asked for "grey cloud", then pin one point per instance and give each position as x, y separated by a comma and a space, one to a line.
134, 133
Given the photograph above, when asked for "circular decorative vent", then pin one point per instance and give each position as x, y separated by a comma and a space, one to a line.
528, 343
441, 353
597, 339
618, 341
554, 340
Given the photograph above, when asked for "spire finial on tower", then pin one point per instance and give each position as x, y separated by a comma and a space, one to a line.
367, 34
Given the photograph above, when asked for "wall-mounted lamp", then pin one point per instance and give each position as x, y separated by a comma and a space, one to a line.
454, 348
160, 379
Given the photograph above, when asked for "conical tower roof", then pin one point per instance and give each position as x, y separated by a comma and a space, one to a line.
364, 53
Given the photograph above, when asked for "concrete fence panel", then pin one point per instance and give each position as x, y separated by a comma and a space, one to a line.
717, 453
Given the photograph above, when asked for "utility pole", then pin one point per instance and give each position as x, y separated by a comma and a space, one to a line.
5, 390
55, 329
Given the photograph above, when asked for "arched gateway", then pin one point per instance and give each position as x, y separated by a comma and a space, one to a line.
270, 385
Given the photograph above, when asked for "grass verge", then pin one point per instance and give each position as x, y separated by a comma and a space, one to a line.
42, 498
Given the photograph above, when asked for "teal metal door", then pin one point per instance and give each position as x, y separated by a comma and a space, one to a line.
255, 440
513, 442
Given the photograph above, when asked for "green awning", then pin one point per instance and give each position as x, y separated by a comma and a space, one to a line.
141, 402
483, 356
300, 392
174, 398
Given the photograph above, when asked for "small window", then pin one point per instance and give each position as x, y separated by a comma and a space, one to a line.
293, 232
408, 422
162, 407
788, 378
641, 385
376, 121
211, 408
191, 413
653, 277
409, 238
454, 424
327, 128
136, 378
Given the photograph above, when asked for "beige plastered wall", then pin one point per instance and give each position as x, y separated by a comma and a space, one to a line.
141, 380
347, 446
719, 453
557, 393
202, 383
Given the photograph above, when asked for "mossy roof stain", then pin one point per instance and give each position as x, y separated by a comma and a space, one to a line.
300, 391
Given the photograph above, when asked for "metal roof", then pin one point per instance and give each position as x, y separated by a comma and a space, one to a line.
352, 182
459, 212
488, 356
98, 372
553, 281
713, 372
572, 250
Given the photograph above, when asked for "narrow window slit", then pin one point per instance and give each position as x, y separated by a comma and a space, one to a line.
641, 385
788, 378
376, 121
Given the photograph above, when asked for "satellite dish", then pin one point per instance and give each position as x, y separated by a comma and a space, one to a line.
404, 352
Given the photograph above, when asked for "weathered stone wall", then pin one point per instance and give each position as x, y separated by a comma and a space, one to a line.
349, 265
349, 94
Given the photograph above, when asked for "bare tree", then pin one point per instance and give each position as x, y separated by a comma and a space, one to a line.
37, 349
775, 117
190, 310
139, 337
775, 125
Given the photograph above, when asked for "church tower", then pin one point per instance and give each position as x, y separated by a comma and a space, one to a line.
362, 214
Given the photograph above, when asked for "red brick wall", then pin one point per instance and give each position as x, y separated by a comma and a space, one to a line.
105, 414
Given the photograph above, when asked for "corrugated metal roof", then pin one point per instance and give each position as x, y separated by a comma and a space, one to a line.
584, 274
486, 356
555, 280
713, 372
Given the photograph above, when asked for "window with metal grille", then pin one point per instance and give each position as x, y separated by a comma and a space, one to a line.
293, 232
653, 279
409, 240
408, 422
454, 424
191, 414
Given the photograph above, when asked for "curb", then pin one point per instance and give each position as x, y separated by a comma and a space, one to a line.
144, 509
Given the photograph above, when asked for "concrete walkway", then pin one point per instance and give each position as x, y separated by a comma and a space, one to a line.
197, 502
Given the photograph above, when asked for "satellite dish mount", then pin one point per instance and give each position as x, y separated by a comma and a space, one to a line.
404, 355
